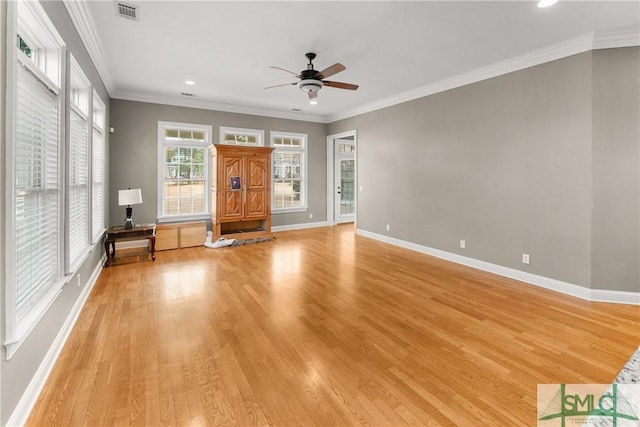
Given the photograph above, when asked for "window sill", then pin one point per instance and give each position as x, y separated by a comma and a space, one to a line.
288, 210
98, 237
179, 218
21, 331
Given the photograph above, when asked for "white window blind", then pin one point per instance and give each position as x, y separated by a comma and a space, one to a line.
37, 198
97, 194
78, 203
97, 169
78, 189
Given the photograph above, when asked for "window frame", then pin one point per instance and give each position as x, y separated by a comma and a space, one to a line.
80, 92
36, 29
162, 143
259, 133
98, 118
304, 181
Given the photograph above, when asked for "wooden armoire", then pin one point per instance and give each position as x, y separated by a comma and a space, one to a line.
240, 191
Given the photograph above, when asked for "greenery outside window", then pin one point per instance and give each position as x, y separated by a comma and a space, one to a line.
183, 171
289, 166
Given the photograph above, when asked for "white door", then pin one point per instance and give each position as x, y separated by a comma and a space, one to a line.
345, 181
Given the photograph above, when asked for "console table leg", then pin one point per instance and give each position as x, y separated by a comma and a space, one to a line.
153, 247
107, 251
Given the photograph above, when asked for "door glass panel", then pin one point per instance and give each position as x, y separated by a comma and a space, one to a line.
347, 187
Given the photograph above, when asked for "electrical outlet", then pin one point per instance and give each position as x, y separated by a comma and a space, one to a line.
525, 258
463, 244
388, 227
361, 188
310, 216
79, 280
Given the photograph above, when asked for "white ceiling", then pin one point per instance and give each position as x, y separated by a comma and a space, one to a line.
394, 50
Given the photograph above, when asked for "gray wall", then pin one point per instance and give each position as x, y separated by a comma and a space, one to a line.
506, 164
134, 151
18, 372
616, 172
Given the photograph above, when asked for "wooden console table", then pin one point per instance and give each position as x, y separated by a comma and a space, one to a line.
139, 232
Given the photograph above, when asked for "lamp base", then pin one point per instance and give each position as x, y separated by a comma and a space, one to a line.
128, 222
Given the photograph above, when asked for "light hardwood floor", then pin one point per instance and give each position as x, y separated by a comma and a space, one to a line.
322, 327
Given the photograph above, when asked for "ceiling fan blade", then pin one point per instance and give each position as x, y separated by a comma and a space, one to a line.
340, 85
286, 84
313, 94
286, 71
330, 71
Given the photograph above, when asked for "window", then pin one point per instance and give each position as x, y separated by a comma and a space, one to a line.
78, 168
183, 170
289, 186
97, 169
25, 48
238, 136
34, 168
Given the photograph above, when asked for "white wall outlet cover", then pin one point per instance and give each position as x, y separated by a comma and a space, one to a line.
525, 258
463, 244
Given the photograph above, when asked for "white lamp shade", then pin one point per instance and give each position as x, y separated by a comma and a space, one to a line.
129, 197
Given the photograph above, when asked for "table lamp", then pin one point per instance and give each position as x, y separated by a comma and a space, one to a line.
129, 197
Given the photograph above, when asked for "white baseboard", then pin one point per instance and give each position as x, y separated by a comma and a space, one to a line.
599, 295
30, 396
620, 297
299, 226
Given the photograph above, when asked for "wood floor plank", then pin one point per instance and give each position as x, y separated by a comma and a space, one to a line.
323, 327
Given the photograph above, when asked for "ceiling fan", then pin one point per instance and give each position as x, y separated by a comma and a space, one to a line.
311, 80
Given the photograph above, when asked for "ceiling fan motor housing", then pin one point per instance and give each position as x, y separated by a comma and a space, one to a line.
310, 85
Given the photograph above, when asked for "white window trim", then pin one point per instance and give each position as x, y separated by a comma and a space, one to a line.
255, 132
36, 28
304, 206
17, 332
208, 131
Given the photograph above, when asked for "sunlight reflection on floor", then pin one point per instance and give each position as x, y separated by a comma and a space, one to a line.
183, 283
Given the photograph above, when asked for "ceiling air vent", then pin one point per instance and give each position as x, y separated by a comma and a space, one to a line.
127, 11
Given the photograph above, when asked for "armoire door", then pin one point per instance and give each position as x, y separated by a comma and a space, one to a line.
257, 168
231, 203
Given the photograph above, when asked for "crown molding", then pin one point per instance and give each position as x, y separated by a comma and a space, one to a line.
620, 37
213, 105
83, 21
607, 39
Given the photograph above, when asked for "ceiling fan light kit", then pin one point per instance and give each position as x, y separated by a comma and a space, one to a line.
311, 80
310, 85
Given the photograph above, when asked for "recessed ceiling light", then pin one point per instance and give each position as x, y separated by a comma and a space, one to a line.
547, 3
189, 82
313, 102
